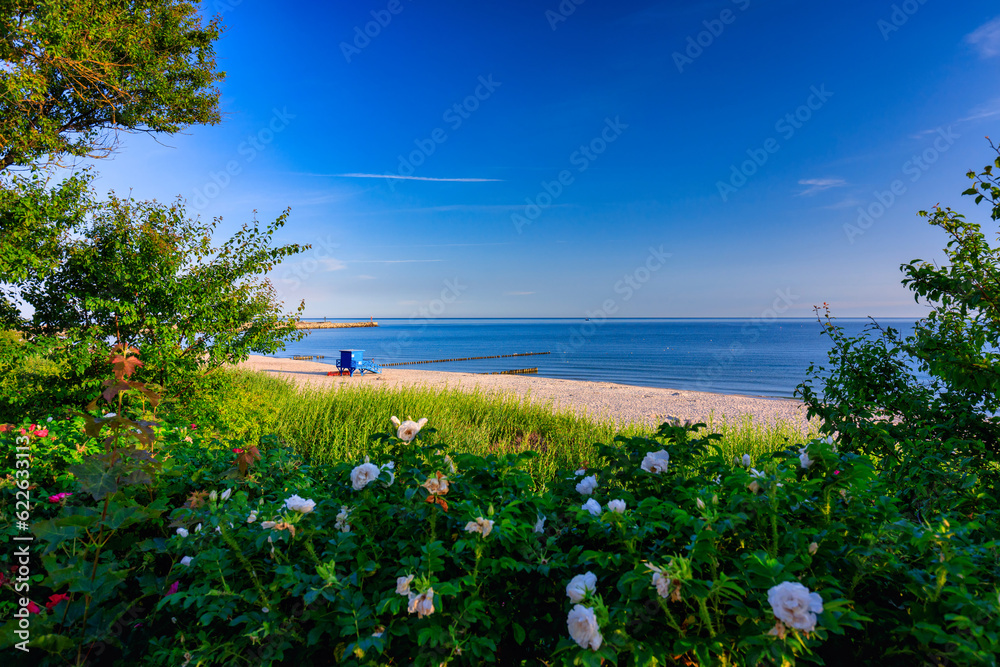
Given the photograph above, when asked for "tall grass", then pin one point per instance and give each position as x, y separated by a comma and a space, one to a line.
336, 424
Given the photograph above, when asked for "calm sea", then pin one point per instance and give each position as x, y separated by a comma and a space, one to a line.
733, 356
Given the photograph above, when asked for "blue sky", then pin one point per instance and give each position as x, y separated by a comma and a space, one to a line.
654, 159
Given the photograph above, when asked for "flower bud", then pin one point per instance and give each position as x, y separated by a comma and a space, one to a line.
813, 548
700, 503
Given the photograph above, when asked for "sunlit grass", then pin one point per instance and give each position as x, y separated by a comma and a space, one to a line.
332, 424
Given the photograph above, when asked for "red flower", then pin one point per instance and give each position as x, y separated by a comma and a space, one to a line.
41, 433
194, 426
55, 599
34, 608
237, 450
6, 427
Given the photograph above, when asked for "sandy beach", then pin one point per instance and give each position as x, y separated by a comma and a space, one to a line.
624, 404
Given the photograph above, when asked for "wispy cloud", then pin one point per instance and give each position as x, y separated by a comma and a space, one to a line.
817, 185
395, 261
332, 264
986, 39
397, 177
365, 276
517, 293
988, 110
849, 202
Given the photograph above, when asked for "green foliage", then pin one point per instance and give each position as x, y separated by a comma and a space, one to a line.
78, 72
271, 579
945, 430
145, 273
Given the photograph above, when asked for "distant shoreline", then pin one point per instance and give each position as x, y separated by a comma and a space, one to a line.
334, 325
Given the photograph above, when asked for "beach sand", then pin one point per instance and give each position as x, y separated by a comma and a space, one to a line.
623, 404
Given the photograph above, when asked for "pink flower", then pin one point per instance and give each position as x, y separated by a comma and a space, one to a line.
237, 450
174, 587
34, 608
59, 497
42, 432
836, 472
193, 426
55, 599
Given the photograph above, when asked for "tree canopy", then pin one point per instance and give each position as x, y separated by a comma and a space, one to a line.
73, 73
148, 275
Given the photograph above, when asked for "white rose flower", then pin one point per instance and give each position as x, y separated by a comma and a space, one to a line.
581, 472
186, 561
437, 485
580, 585
343, 516
794, 605
617, 506
662, 584
480, 525
252, 517
656, 462
583, 627
587, 485
363, 475
182, 532
540, 524
423, 604
408, 430
197, 528
49, 419
592, 506
225, 494
403, 585
297, 503
804, 459
268, 525
746, 461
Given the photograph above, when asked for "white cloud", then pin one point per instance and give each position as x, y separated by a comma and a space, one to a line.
397, 177
332, 264
986, 39
817, 185
517, 293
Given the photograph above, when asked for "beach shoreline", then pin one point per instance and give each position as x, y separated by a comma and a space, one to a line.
622, 404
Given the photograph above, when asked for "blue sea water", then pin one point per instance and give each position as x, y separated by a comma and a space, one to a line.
732, 356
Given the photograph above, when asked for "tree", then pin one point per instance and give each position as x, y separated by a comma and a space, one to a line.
35, 218
73, 73
147, 275
926, 404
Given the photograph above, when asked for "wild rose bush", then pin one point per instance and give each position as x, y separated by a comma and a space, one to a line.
661, 552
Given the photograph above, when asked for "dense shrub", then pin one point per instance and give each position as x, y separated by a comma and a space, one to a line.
220, 558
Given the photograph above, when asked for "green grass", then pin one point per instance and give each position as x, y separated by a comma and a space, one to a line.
336, 424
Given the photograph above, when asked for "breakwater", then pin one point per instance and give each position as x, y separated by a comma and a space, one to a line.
513, 371
438, 361
334, 325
